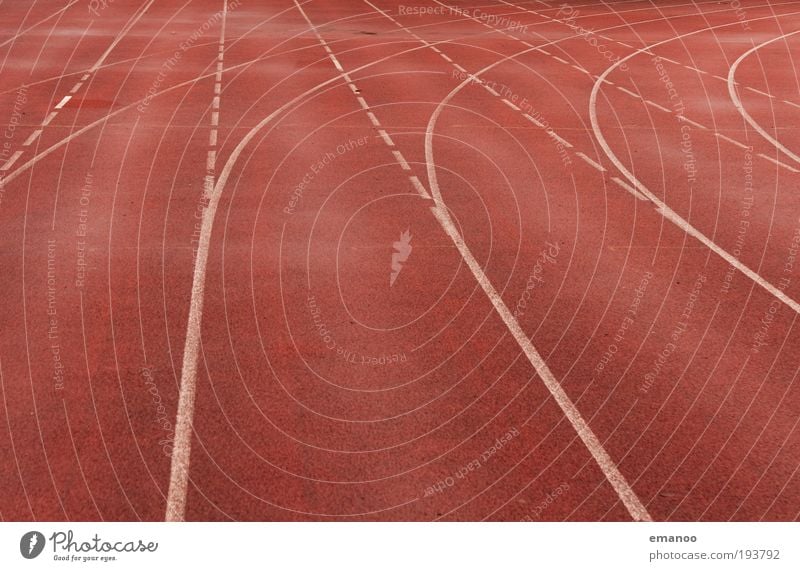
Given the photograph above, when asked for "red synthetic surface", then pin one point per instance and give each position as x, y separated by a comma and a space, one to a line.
323, 392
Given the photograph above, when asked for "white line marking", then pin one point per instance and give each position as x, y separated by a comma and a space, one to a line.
695, 69
507, 102
32, 137
544, 51
670, 60
217, 88
718, 77
560, 140
386, 138
657, 106
629, 92
590, 161
579, 68
10, 162
629, 188
362, 102
793, 104
687, 120
445, 56
490, 90
212, 138
420, 189
459, 68
49, 118
754, 90
738, 102
373, 119
63, 102
777, 162
336, 63
565, 62
85, 77
76, 87
215, 102
532, 120
732, 141
402, 160
184, 420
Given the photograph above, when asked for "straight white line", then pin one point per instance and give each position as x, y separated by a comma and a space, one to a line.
420, 189
63, 102
579, 68
754, 90
544, 51
532, 120
507, 102
76, 87
49, 118
629, 92
211, 160
11, 161
560, 140
670, 60
687, 120
373, 119
215, 118
657, 106
590, 161
565, 62
32, 137
629, 188
353, 88
212, 138
720, 78
402, 160
215, 102
777, 162
695, 69
386, 138
490, 90
793, 104
445, 56
362, 102
217, 88
459, 68
336, 63
732, 141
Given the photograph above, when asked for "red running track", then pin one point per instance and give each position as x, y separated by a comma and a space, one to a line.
358, 260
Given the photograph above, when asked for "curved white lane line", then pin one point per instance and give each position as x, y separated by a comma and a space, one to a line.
738, 102
663, 209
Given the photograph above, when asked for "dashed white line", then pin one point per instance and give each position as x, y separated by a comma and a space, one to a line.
565, 62
386, 138
420, 189
402, 160
10, 162
32, 137
507, 102
490, 90
629, 92
362, 102
373, 119
754, 90
732, 141
76, 87
590, 161
560, 139
657, 106
49, 118
63, 102
533, 120
695, 123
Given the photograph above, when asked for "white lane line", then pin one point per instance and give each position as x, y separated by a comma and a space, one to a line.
352, 87
373, 119
420, 189
657, 106
792, 103
579, 68
76, 87
695, 69
777, 162
402, 160
629, 92
629, 188
590, 161
32, 137
532, 120
560, 139
446, 57
63, 102
386, 138
119, 37
670, 60
10, 162
754, 90
544, 51
565, 62
49, 118
215, 102
490, 90
85, 77
694, 123
662, 208
732, 141
718, 77
362, 102
459, 68
507, 102
184, 420
217, 88
571, 412
336, 63
738, 102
